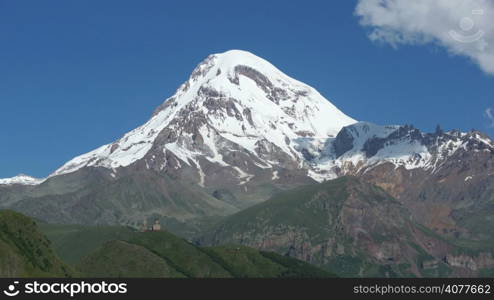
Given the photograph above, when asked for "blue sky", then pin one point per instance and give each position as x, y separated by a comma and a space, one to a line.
75, 75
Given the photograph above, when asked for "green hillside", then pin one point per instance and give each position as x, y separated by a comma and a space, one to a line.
24, 251
161, 254
243, 261
73, 242
122, 259
114, 252
104, 251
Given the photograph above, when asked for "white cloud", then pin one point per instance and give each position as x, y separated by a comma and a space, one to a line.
489, 115
463, 27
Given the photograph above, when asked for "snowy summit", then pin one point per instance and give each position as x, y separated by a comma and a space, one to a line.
236, 96
21, 179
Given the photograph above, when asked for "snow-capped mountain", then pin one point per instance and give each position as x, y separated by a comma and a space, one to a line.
363, 145
21, 179
232, 101
239, 131
239, 115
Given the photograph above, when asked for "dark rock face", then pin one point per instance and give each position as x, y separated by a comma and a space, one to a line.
307, 155
372, 146
273, 93
259, 78
343, 142
248, 116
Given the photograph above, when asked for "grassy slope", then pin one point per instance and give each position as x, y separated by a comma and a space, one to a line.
122, 259
73, 242
122, 252
161, 254
243, 261
183, 256
24, 251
